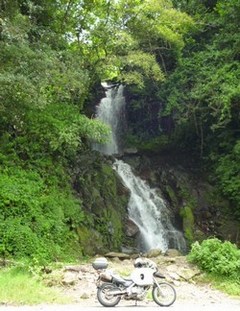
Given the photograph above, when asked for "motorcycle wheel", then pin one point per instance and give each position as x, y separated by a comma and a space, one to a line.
105, 295
164, 294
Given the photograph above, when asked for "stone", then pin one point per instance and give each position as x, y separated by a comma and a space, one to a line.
121, 256
185, 273
153, 253
131, 228
84, 296
69, 278
174, 276
130, 151
172, 252
188, 274
73, 268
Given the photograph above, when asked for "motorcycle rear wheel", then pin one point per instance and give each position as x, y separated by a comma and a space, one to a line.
105, 295
164, 294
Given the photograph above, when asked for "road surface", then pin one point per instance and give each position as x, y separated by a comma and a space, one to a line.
234, 305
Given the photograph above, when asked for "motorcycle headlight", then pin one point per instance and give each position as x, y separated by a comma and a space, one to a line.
138, 263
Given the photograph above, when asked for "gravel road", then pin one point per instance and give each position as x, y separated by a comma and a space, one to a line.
178, 306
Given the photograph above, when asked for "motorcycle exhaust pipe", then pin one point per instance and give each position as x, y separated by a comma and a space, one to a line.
120, 292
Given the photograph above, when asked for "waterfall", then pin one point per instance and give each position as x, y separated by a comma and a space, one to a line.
109, 111
150, 213
146, 208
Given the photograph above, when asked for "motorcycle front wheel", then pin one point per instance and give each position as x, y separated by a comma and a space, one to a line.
105, 295
164, 294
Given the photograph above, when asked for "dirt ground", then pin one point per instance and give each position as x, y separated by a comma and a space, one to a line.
178, 272
78, 283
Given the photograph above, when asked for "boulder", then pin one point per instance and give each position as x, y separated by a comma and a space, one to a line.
131, 228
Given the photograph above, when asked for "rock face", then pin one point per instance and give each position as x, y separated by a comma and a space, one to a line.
104, 200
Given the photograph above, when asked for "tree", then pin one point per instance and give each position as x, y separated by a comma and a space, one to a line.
202, 94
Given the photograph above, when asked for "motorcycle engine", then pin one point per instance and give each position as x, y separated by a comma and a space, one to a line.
137, 292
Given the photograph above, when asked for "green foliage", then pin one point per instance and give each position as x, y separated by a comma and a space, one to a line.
149, 33
36, 220
61, 128
52, 53
227, 170
153, 145
44, 83
217, 257
201, 95
139, 67
113, 34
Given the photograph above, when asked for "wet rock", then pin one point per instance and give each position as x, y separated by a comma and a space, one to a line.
131, 228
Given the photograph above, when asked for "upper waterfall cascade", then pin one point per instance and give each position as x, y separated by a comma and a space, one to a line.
146, 208
110, 111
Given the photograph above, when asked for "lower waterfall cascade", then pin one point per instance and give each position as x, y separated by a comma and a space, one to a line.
150, 213
145, 207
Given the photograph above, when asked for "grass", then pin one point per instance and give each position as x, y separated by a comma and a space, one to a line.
19, 287
229, 286
224, 284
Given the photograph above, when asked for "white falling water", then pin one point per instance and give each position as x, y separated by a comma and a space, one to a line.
150, 213
109, 111
146, 209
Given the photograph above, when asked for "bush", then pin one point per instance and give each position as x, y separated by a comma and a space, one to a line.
37, 221
217, 257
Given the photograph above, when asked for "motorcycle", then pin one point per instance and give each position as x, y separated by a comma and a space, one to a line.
111, 287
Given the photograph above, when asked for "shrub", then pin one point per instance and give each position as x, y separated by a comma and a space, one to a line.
217, 257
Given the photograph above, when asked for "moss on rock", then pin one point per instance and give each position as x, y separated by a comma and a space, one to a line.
90, 241
104, 201
188, 223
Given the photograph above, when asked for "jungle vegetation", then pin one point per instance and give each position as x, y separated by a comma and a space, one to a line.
178, 59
